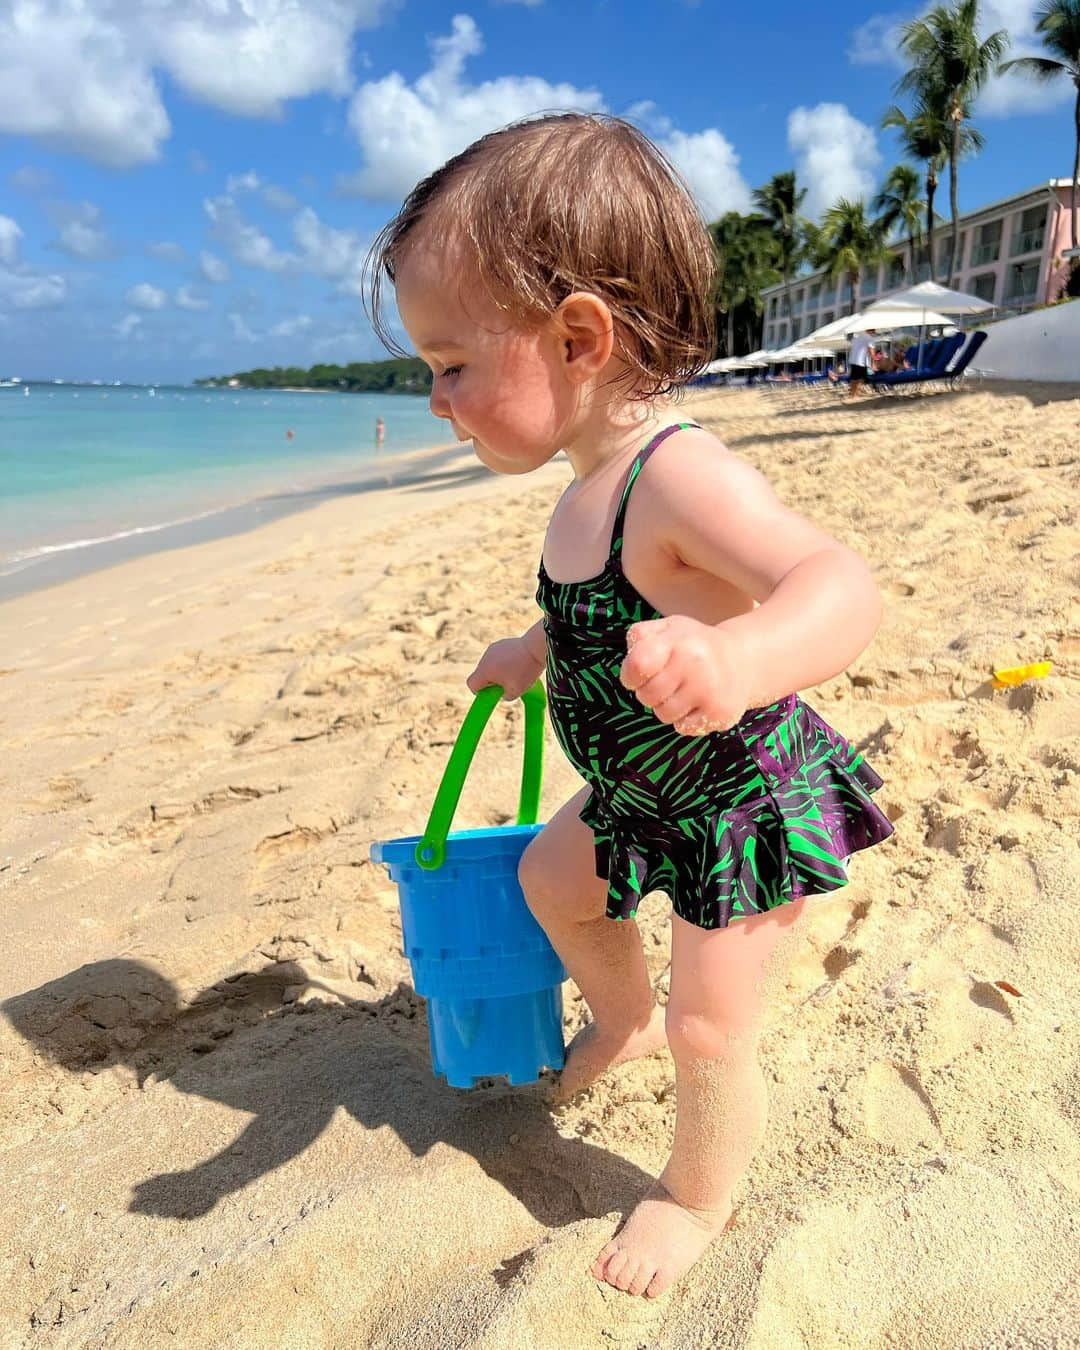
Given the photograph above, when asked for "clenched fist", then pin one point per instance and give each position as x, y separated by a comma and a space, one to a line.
692, 675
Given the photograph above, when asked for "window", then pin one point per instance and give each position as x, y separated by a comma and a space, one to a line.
1029, 232
986, 245
897, 272
772, 308
827, 317
1022, 284
945, 241
796, 304
830, 292
985, 286
869, 283
815, 294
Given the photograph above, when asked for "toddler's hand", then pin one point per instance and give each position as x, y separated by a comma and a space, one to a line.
508, 662
690, 674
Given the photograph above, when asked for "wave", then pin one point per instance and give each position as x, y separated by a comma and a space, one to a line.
16, 562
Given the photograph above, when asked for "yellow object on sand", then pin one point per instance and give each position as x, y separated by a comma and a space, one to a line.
1013, 675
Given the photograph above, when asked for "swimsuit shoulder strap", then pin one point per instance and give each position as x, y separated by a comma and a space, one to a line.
638, 464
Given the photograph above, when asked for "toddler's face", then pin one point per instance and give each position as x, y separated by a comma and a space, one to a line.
500, 384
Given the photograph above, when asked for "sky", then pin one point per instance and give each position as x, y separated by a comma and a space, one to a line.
189, 187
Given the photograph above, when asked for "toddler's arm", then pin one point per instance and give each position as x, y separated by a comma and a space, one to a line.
818, 604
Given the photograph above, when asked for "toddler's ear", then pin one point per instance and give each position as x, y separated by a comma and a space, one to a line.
588, 333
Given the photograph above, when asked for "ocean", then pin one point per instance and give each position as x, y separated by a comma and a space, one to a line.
95, 473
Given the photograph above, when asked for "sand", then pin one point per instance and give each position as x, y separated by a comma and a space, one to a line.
219, 1126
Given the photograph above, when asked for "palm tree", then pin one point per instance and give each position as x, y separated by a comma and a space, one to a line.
746, 257
779, 201
848, 241
923, 137
1059, 23
950, 66
899, 204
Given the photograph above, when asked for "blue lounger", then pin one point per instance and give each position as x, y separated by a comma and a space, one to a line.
939, 370
936, 357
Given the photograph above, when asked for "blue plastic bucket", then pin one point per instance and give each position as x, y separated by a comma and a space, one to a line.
492, 980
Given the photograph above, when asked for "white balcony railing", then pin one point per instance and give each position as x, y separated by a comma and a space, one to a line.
1030, 241
985, 253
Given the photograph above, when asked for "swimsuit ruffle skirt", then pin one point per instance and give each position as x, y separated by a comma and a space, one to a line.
730, 824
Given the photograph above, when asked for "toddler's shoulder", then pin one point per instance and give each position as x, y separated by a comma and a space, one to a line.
700, 468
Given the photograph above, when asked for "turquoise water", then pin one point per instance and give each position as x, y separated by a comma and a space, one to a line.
80, 464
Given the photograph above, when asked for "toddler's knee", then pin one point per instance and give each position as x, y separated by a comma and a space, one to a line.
693, 1034
533, 876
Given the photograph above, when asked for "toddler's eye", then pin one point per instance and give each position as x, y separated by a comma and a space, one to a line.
452, 370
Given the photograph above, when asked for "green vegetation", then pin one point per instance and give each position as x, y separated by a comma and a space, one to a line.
949, 65
408, 375
847, 242
1059, 24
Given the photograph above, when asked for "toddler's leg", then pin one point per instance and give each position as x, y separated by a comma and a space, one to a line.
718, 979
603, 958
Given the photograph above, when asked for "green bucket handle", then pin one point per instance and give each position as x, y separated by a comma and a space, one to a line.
431, 850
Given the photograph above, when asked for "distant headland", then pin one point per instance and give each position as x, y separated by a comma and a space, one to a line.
400, 375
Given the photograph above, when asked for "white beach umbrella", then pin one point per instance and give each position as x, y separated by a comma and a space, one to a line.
893, 316
928, 295
830, 335
927, 298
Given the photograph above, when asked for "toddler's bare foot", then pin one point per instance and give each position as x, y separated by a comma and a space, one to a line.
658, 1244
592, 1052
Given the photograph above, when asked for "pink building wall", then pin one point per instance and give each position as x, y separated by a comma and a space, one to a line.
1053, 196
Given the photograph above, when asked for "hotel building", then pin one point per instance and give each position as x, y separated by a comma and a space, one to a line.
1010, 253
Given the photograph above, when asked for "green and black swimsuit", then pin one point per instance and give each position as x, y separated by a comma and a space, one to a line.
729, 824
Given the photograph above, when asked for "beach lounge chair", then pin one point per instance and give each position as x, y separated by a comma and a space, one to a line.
948, 354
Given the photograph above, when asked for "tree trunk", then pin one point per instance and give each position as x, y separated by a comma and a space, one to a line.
854, 278
731, 331
954, 197
931, 190
1076, 175
911, 255
787, 301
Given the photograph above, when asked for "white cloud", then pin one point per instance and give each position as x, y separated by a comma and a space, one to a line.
82, 234
278, 198
244, 241
877, 42
167, 251
1016, 92
338, 254
31, 179
128, 326
405, 131
80, 74
31, 290
290, 327
836, 155
242, 182
708, 162
240, 329
10, 233
145, 296
213, 268
198, 163
186, 298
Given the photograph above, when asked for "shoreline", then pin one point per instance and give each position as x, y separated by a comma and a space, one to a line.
43, 571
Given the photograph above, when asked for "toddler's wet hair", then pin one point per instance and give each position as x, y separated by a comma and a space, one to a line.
573, 202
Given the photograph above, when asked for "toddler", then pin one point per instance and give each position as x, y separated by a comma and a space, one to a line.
556, 277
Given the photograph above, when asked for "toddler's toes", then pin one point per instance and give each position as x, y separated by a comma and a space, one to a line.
646, 1272
599, 1266
621, 1269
